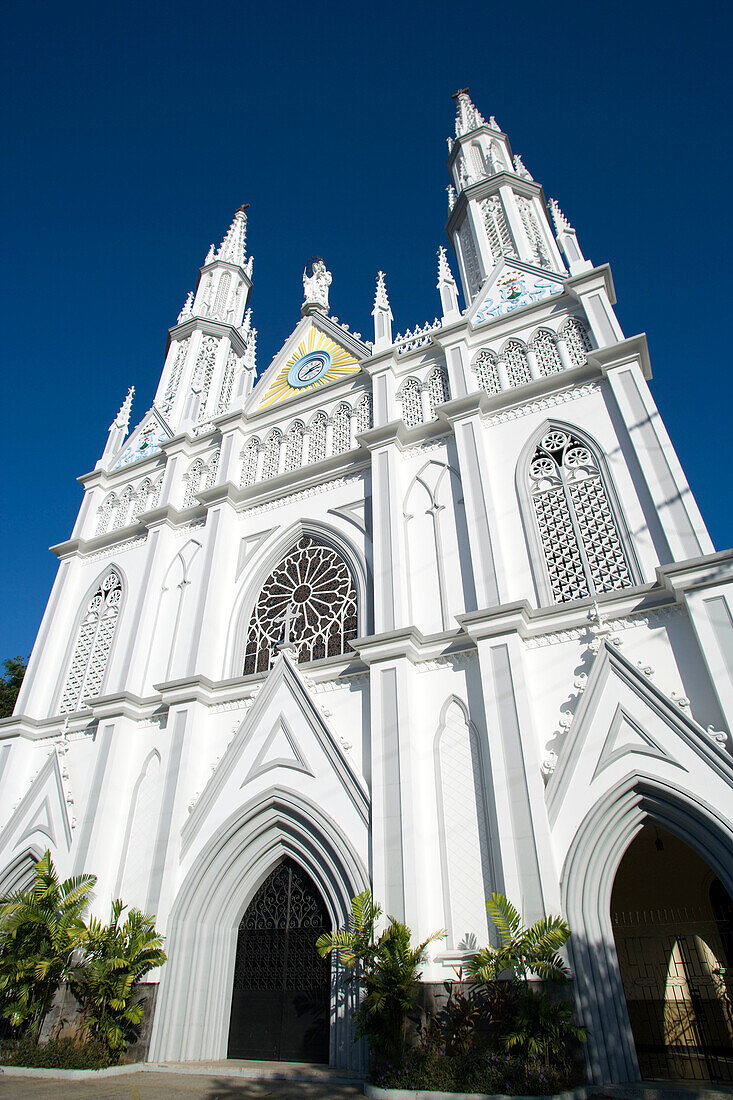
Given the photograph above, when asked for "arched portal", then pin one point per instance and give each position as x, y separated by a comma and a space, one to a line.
672, 921
282, 990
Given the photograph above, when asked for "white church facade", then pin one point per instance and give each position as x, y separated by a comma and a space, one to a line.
434, 614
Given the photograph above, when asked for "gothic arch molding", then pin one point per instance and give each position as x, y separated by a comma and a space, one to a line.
266, 559
18, 874
192, 1017
586, 883
543, 591
74, 632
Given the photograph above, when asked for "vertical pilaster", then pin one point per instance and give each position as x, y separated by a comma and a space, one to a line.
478, 507
390, 583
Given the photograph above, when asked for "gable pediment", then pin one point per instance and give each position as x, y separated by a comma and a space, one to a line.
284, 739
317, 354
146, 439
511, 286
41, 817
625, 725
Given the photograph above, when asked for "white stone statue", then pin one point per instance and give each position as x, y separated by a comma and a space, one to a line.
315, 286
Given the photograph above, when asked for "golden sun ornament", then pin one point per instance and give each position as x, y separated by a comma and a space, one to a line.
316, 361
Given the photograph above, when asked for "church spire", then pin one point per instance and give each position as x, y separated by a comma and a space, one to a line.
382, 315
448, 289
232, 248
468, 117
568, 240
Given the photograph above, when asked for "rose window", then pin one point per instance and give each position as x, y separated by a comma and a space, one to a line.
309, 600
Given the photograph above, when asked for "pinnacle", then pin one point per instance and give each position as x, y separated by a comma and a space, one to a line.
122, 420
381, 301
232, 248
468, 117
561, 222
445, 275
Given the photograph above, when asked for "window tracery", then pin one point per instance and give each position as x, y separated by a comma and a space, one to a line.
486, 371
470, 259
342, 429
437, 390
364, 414
227, 385
105, 513
204, 371
123, 508
497, 229
250, 454
309, 600
193, 483
294, 446
582, 546
533, 231
544, 345
517, 367
411, 399
212, 468
93, 643
174, 378
222, 293
575, 335
317, 437
271, 466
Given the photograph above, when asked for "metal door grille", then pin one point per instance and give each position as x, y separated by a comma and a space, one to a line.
678, 985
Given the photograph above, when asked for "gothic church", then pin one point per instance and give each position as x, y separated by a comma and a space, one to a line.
434, 613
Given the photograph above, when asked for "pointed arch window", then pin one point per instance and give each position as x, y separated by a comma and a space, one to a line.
212, 468
227, 384
93, 644
309, 599
533, 231
250, 455
294, 446
342, 429
105, 513
486, 371
497, 229
364, 414
579, 532
193, 483
437, 390
174, 378
544, 345
204, 371
123, 508
317, 437
222, 293
575, 335
517, 366
411, 399
271, 466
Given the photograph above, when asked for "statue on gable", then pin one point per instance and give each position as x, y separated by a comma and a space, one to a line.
316, 281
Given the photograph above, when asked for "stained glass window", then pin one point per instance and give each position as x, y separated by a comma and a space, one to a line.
309, 600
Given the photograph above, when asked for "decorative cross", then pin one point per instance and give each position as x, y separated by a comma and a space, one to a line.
241, 209
288, 618
461, 91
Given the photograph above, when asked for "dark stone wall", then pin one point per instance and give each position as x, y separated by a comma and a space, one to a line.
64, 1020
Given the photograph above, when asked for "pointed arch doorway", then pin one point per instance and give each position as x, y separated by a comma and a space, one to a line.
282, 988
672, 922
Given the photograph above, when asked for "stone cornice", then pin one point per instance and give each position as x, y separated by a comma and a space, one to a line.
588, 280
411, 643
209, 326
634, 349
490, 186
681, 577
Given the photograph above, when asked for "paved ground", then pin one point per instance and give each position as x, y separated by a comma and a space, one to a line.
172, 1086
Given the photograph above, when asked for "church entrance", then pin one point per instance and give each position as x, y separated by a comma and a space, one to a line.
673, 927
282, 987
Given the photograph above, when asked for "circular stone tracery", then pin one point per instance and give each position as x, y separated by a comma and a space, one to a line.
309, 599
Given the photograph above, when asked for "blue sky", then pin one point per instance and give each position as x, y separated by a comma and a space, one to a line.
132, 132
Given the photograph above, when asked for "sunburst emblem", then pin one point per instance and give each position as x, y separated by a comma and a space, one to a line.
316, 361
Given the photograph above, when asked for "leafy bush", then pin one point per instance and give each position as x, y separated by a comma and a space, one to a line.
66, 1053
477, 1071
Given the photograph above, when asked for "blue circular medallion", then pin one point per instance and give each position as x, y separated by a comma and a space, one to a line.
309, 368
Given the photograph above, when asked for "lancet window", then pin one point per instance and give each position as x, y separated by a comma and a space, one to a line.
174, 378
250, 454
497, 230
470, 259
437, 390
309, 600
204, 371
193, 483
478, 163
147, 496
486, 371
533, 231
93, 643
317, 437
227, 385
222, 293
211, 469
342, 429
364, 414
271, 466
411, 398
544, 345
123, 508
294, 446
574, 333
579, 533
106, 512
517, 367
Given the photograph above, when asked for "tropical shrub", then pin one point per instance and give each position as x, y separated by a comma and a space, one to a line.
522, 952
116, 958
57, 1053
387, 969
40, 931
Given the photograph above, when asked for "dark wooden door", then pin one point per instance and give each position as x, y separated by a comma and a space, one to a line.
281, 996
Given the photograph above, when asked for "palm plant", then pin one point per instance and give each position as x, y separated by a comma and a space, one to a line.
543, 1028
116, 957
387, 970
40, 931
521, 951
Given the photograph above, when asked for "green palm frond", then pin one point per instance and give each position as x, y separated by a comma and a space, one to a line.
505, 917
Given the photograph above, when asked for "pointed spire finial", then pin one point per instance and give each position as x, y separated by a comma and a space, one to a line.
382, 315
187, 308
381, 301
447, 287
122, 420
468, 117
520, 169
232, 248
561, 222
